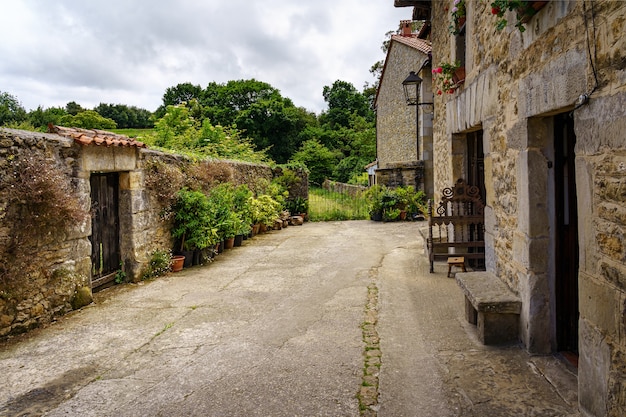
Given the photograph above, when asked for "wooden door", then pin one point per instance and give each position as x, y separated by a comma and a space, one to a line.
476, 177
105, 240
566, 261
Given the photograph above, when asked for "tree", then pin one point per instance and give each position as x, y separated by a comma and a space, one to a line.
11, 109
178, 131
343, 100
73, 108
182, 93
269, 119
87, 119
319, 160
126, 117
40, 117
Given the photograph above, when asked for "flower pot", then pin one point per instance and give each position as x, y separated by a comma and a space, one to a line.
178, 262
197, 257
188, 254
459, 76
229, 243
532, 7
460, 24
255, 229
239, 240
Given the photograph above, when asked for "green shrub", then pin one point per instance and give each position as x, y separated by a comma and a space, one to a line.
193, 221
159, 264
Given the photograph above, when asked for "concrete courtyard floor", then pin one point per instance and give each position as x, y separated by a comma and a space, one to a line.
326, 319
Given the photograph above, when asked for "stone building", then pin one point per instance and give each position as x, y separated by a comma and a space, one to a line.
404, 132
539, 123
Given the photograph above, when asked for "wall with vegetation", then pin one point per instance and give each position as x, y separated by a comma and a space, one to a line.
45, 222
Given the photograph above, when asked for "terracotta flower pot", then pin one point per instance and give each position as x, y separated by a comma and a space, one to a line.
459, 76
177, 263
229, 243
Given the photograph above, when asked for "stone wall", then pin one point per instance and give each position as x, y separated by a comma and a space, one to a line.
56, 276
516, 83
340, 187
53, 266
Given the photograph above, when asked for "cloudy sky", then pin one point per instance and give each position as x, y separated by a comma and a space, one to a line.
130, 51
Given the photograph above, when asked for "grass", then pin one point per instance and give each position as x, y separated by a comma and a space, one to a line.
329, 206
133, 133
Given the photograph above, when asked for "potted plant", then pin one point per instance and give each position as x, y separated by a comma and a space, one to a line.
264, 210
524, 10
416, 205
241, 206
448, 76
373, 196
228, 229
403, 195
192, 225
390, 205
298, 207
459, 16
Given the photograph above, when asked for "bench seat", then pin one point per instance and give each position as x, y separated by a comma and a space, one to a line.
491, 306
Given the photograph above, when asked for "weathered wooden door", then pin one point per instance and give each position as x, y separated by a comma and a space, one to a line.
566, 261
105, 236
476, 176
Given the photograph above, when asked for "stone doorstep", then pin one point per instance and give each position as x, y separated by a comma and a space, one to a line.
491, 306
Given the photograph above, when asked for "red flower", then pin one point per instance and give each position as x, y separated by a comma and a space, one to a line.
439, 92
451, 91
438, 70
495, 10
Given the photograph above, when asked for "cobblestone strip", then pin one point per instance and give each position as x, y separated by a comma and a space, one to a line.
368, 393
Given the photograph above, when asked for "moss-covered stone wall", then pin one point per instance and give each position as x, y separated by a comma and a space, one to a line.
53, 271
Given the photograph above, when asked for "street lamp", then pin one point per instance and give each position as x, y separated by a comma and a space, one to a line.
412, 97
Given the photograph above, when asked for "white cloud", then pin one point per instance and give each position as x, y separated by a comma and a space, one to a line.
129, 52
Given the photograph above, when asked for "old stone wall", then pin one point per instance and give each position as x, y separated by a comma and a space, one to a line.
53, 266
340, 187
515, 85
54, 274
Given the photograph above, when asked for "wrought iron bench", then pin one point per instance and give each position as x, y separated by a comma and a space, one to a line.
457, 227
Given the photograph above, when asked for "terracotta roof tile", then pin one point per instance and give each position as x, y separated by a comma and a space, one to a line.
94, 136
421, 45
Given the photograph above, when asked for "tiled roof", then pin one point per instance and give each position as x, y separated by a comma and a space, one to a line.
421, 45
95, 137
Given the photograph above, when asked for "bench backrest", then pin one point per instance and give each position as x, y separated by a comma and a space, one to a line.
461, 207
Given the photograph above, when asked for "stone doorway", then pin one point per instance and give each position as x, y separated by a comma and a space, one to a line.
105, 229
566, 239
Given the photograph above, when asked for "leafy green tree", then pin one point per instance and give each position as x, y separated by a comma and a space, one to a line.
270, 120
178, 131
11, 109
319, 160
343, 100
87, 119
126, 117
40, 117
179, 94
73, 108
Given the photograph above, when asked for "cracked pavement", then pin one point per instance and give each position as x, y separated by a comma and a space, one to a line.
274, 328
